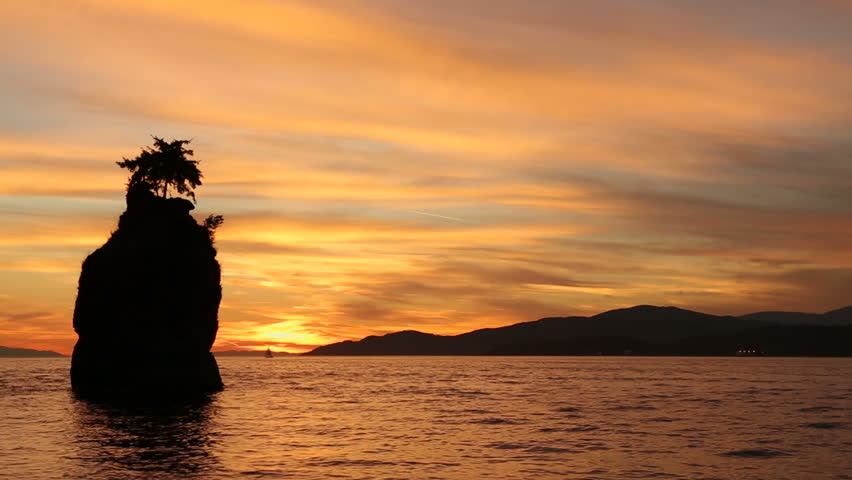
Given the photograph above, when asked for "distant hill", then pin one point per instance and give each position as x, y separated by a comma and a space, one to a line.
842, 316
772, 340
642, 329
248, 353
26, 352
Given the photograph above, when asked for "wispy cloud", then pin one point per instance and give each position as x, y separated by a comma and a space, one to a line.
442, 165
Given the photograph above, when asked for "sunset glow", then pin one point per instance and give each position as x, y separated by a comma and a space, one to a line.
439, 166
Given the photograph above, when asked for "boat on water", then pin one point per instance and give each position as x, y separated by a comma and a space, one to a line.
268, 353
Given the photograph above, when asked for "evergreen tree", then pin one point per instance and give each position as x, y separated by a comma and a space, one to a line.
164, 165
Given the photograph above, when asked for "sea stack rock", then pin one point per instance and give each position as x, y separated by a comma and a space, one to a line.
147, 304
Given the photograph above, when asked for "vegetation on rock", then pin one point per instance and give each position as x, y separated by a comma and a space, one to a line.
163, 165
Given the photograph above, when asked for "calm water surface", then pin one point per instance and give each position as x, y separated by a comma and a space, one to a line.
447, 418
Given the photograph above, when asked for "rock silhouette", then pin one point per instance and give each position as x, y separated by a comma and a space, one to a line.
147, 304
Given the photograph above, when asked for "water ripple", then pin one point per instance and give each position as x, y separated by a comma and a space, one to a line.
446, 418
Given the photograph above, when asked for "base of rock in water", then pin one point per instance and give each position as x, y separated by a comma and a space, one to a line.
102, 374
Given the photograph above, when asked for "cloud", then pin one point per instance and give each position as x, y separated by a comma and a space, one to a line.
810, 289
597, 154
23, 326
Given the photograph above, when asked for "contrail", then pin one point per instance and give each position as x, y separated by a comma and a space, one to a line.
438, 216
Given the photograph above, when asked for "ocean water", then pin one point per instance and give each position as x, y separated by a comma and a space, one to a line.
447, 418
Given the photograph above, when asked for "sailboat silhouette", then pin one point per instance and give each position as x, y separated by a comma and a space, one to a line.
268, 353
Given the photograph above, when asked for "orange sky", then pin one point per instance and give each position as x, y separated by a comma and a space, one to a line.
442, 165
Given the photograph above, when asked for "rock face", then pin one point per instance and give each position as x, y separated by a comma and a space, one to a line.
147, 305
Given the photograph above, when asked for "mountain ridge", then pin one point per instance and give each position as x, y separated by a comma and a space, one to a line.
13, 352
840, 316
658, 329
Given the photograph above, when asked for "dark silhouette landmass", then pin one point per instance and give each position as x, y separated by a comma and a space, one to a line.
775, 340
26, 353
841, 316
640, 330
147, 304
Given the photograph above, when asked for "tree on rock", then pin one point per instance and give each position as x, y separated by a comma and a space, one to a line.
164, 165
